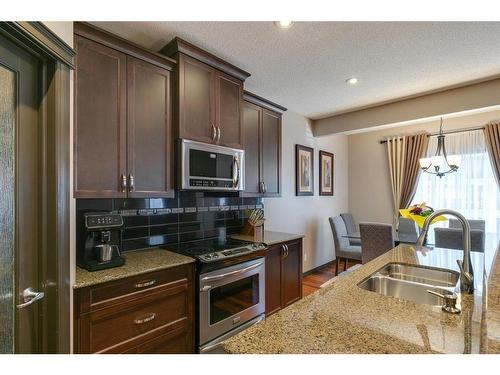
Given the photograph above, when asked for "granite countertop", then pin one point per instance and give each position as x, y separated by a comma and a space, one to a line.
270, 237
490, 338
136, 263
343, 318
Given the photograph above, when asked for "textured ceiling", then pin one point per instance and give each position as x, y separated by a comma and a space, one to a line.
304, 68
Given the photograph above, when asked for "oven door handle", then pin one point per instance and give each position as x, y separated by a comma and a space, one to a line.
218, 277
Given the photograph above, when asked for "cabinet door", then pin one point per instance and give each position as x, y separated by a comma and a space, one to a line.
251, 144
229, 93
196, 100
100, 129
148, 130
292, 273
271, 153
273, 279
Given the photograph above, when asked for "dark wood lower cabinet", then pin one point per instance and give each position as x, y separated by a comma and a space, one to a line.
292, 273
149, 313
274, 257
283, 275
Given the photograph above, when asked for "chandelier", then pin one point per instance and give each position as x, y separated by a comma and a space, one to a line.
440, 164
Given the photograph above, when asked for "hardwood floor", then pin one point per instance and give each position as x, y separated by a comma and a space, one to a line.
313, 281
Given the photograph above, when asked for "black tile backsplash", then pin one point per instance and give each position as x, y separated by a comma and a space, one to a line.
190, 216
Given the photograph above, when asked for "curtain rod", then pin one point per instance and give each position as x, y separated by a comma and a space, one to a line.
448, 132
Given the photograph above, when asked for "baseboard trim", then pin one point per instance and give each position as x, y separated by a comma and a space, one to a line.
319, 268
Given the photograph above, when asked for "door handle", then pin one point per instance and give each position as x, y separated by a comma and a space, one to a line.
285, 251
217, 277
214, 132
29, 297
124, 183
132, 183
218, 134
145, 318
236, 173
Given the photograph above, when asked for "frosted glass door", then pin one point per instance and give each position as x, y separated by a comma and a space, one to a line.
7, 125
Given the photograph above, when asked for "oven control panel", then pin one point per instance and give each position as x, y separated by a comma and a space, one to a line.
229, 253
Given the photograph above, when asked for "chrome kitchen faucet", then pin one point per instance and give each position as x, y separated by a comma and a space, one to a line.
465, 265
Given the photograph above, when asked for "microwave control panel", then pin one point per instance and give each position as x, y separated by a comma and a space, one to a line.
196, 182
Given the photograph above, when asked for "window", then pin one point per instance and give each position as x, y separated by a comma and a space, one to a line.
472, 190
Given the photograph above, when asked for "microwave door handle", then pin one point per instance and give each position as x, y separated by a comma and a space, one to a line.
236, 173
218, 277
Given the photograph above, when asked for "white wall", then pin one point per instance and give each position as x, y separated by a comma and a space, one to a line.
370, 197
308, 215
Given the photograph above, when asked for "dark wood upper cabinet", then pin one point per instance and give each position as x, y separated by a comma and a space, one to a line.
148, 129
123, 141
196, 104
208, 104
251, 129
100, 120
261, 129
229, 93
271, 153
283, 275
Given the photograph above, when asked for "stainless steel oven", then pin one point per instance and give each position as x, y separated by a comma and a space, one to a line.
205, 166
230, 299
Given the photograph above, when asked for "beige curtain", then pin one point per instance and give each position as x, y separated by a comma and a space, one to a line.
404, 168
396, 151
416, 148
492, 140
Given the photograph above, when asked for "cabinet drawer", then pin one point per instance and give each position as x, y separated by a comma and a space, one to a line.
177, 341
103, 295
133, 320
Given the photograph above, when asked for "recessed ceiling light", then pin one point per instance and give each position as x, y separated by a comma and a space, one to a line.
283, 24
351, 81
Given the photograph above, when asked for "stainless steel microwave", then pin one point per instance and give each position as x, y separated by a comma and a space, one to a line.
205, 166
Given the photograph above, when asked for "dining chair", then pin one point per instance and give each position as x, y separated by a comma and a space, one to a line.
343, 249
376, 239
452, 238
407, 231
351, 227
474, 224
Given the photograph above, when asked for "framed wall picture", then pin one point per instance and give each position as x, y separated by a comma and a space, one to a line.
325, 173
304, 170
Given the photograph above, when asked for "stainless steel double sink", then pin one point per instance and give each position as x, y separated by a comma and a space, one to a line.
412, 282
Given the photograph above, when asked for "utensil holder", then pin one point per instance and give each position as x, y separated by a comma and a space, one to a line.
256, 231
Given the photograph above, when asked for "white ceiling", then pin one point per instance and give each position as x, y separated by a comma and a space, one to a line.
304, 68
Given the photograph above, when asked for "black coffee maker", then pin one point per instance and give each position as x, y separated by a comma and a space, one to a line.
101, 247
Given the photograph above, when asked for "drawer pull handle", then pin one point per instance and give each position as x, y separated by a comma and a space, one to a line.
145, 318
144, 284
